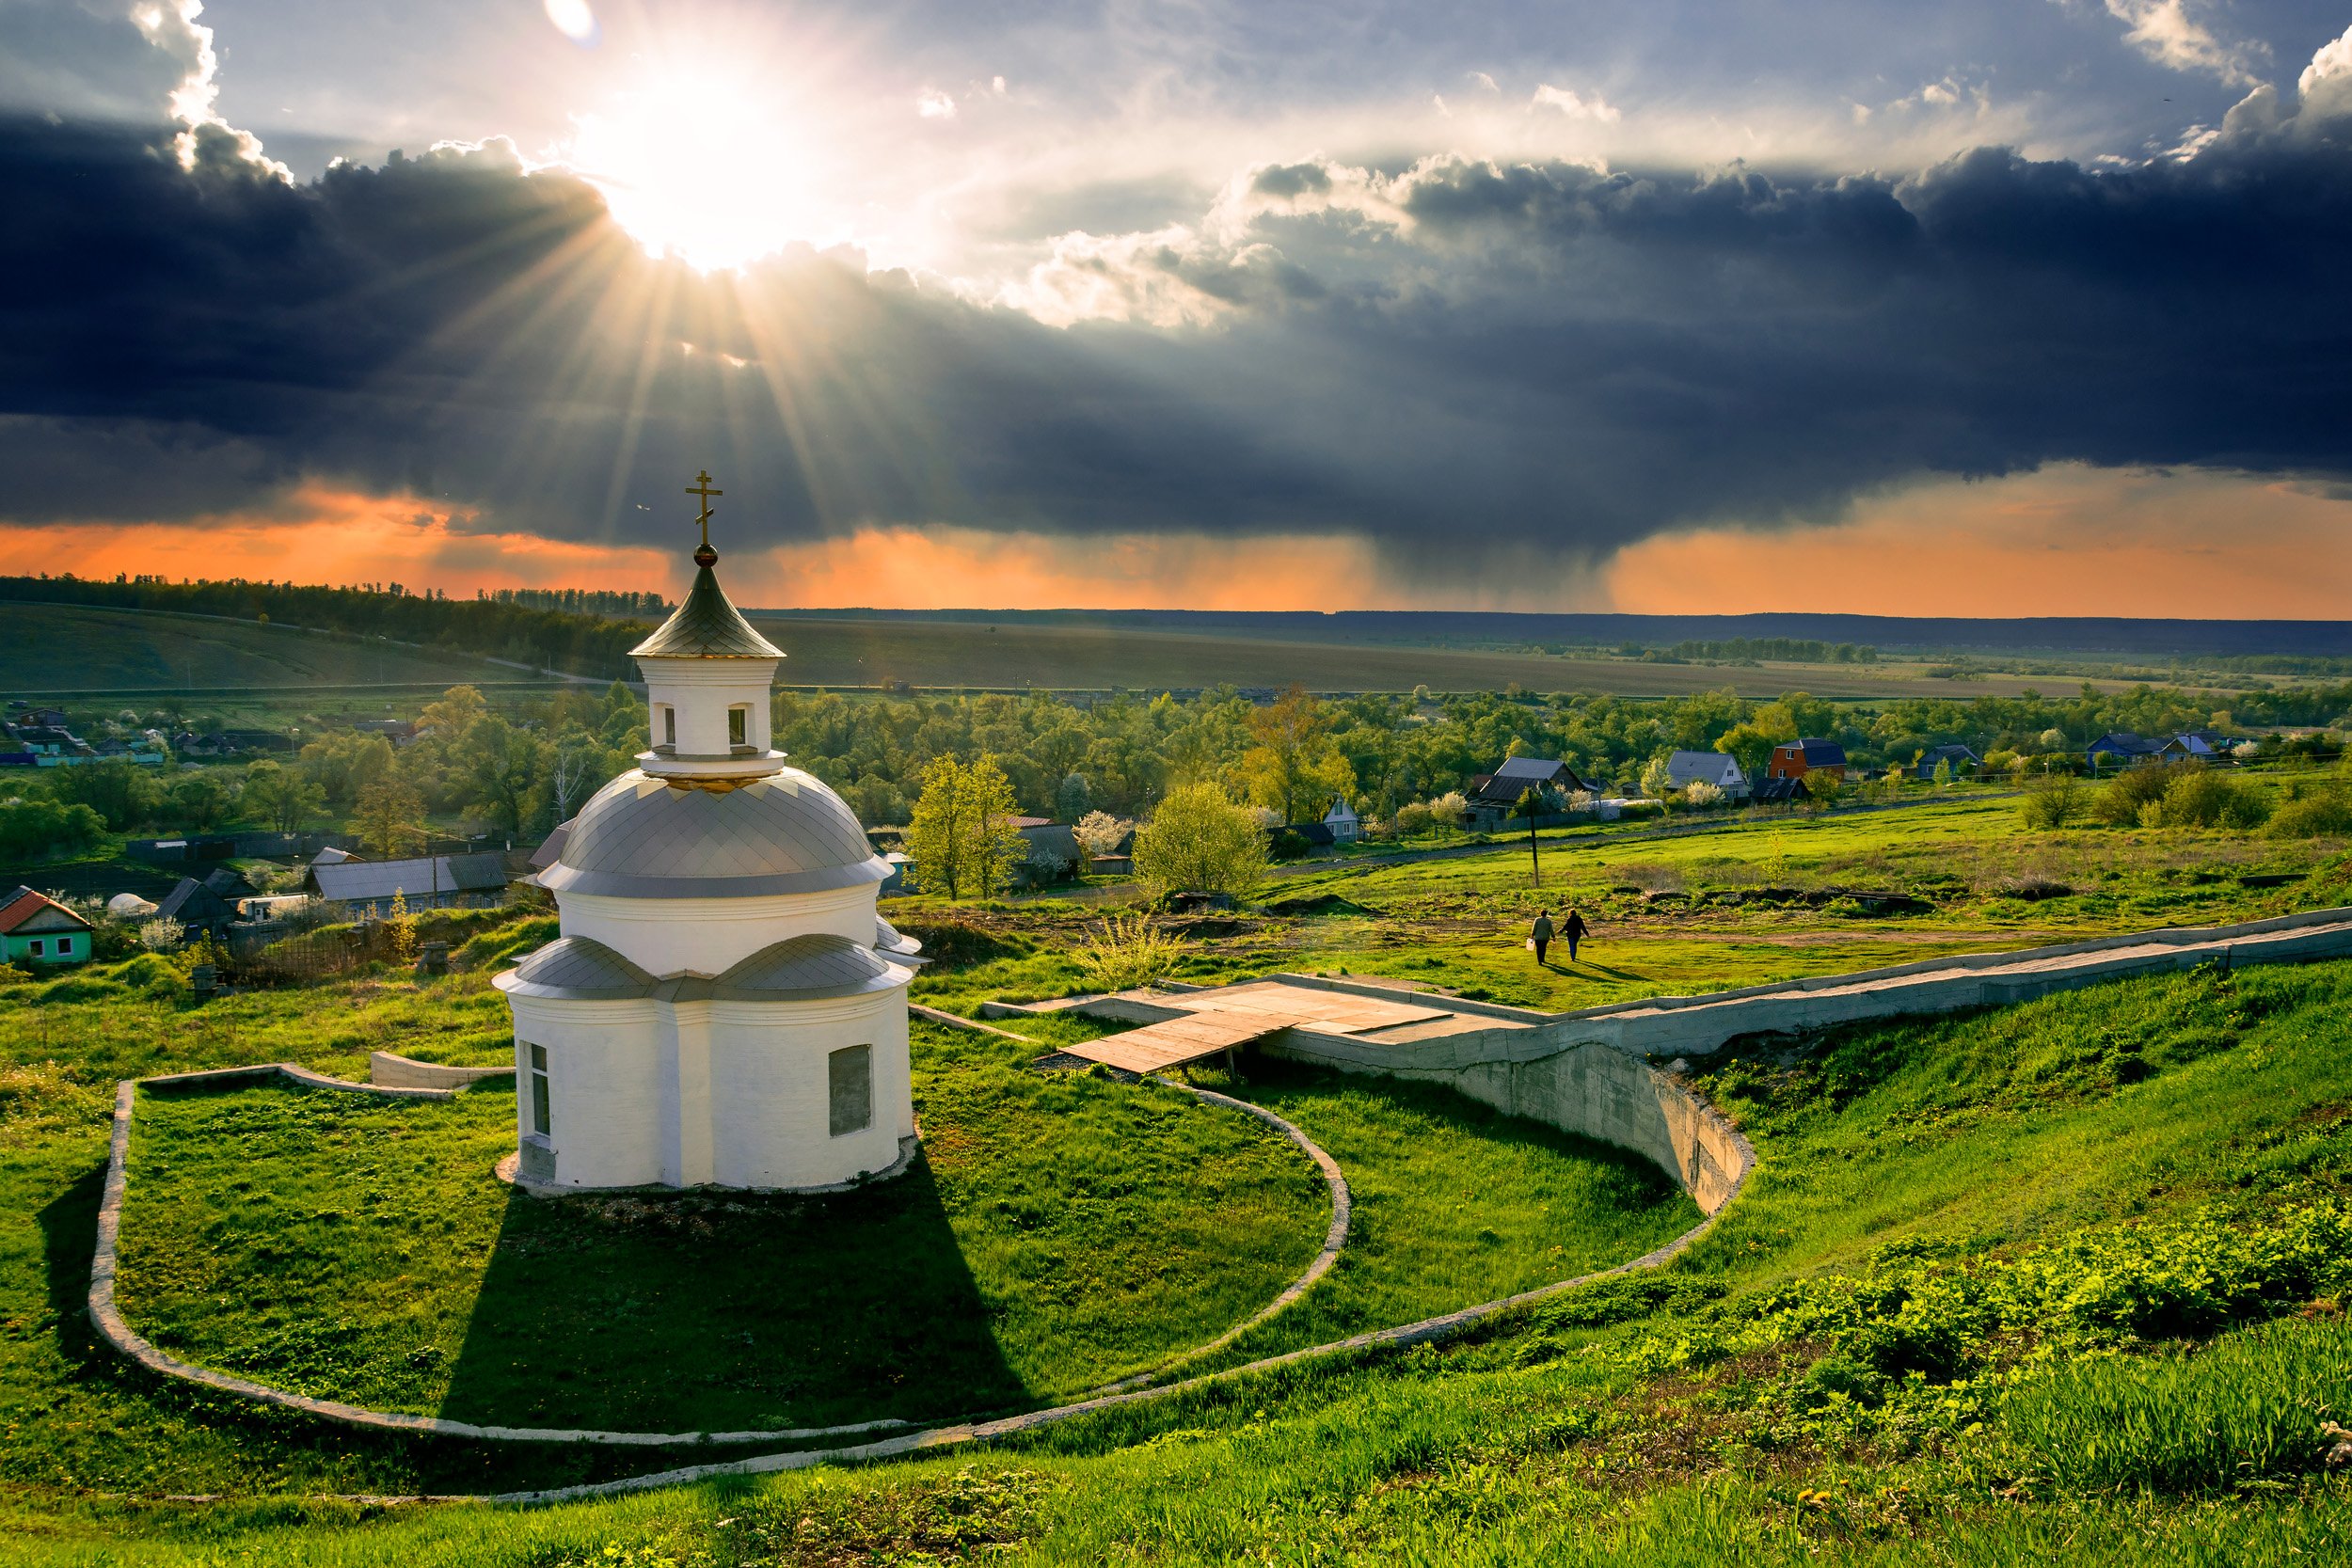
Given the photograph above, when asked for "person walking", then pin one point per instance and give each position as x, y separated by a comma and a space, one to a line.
1539, 934
1575, 930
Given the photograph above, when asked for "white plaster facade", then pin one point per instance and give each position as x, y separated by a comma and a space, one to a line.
723, 1005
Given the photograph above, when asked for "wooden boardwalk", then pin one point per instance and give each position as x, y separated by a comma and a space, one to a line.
1216, 1023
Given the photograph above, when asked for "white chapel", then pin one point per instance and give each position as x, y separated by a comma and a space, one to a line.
724, 1006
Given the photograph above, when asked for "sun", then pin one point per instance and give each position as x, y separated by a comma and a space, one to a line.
700, 168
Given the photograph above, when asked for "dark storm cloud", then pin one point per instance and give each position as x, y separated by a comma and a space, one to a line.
1459, 355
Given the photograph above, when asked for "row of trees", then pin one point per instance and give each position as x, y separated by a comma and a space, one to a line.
582, 641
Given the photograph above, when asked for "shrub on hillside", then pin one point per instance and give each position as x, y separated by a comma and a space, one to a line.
1127, 951
1199, 841
2052, 801
2120, 803
2325, 814
2198, 798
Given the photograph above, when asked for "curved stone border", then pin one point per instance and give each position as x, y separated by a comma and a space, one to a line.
1427, 1331
119, 1333
389, 1070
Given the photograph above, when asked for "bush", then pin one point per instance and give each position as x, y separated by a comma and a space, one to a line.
2052, 801
2197, 797
1199, 841
1127, 951
2325, 814
2119, 804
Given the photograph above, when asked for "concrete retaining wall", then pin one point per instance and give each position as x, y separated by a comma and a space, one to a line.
387, 1071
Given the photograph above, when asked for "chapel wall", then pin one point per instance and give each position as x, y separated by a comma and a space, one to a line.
771, 1097
604, 1088
710, 935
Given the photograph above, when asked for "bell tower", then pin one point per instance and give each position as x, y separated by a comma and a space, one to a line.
708, 676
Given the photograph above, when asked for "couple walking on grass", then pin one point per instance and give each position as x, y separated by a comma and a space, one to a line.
1572, 929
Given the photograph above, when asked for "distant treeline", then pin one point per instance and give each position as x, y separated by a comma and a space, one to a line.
1787, 650
587, 644
581, 601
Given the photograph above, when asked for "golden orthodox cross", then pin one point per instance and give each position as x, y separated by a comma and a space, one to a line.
702, 487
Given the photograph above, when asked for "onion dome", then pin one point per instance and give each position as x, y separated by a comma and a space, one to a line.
813, 968
780, 832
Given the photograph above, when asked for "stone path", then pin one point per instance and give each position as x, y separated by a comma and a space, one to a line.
1701, 1024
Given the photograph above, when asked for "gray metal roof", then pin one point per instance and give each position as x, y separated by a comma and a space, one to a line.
810, 969
889, 939
654, 838
707, 626
353, 880
581, 968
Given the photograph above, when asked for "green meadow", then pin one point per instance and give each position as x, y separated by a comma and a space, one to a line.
2064, 1279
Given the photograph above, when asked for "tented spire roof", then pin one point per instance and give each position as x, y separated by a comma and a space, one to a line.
707, 626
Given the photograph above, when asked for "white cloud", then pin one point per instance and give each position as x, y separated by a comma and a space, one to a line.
2163, 31
2333, 60
573, 19
1483, 82
936, 105
1576, 107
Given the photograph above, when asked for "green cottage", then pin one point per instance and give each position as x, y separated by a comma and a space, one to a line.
36, 929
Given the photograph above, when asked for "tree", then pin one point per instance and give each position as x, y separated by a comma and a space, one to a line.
117, 790
1448, 810
1199, 841
1657, 779
1072, 798
200, 798
1943, 773
581, 765
1293, 765
962, 839
344, 764
500, 769
281, 797
1100, 833
389, 817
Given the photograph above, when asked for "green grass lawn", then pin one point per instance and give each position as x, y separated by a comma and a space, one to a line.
1060, 1231
2112, 1162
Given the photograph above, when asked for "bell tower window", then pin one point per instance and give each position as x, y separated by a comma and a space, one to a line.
669, 726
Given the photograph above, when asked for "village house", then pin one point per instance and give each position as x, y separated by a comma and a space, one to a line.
34, 928
1719, 768
2205, 746
369, 888
1780, 791
2123, 749
1493, 797
206, 907
1807, 755
1346, 827
1960, 757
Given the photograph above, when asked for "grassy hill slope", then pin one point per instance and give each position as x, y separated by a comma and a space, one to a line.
2061, 1280
61, 649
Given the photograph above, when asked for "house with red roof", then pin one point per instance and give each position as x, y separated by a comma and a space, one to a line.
37, 929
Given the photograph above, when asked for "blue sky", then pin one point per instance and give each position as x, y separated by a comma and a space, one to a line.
1530, 305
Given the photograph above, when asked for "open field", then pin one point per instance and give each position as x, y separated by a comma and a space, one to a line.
829, 651
107, 650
